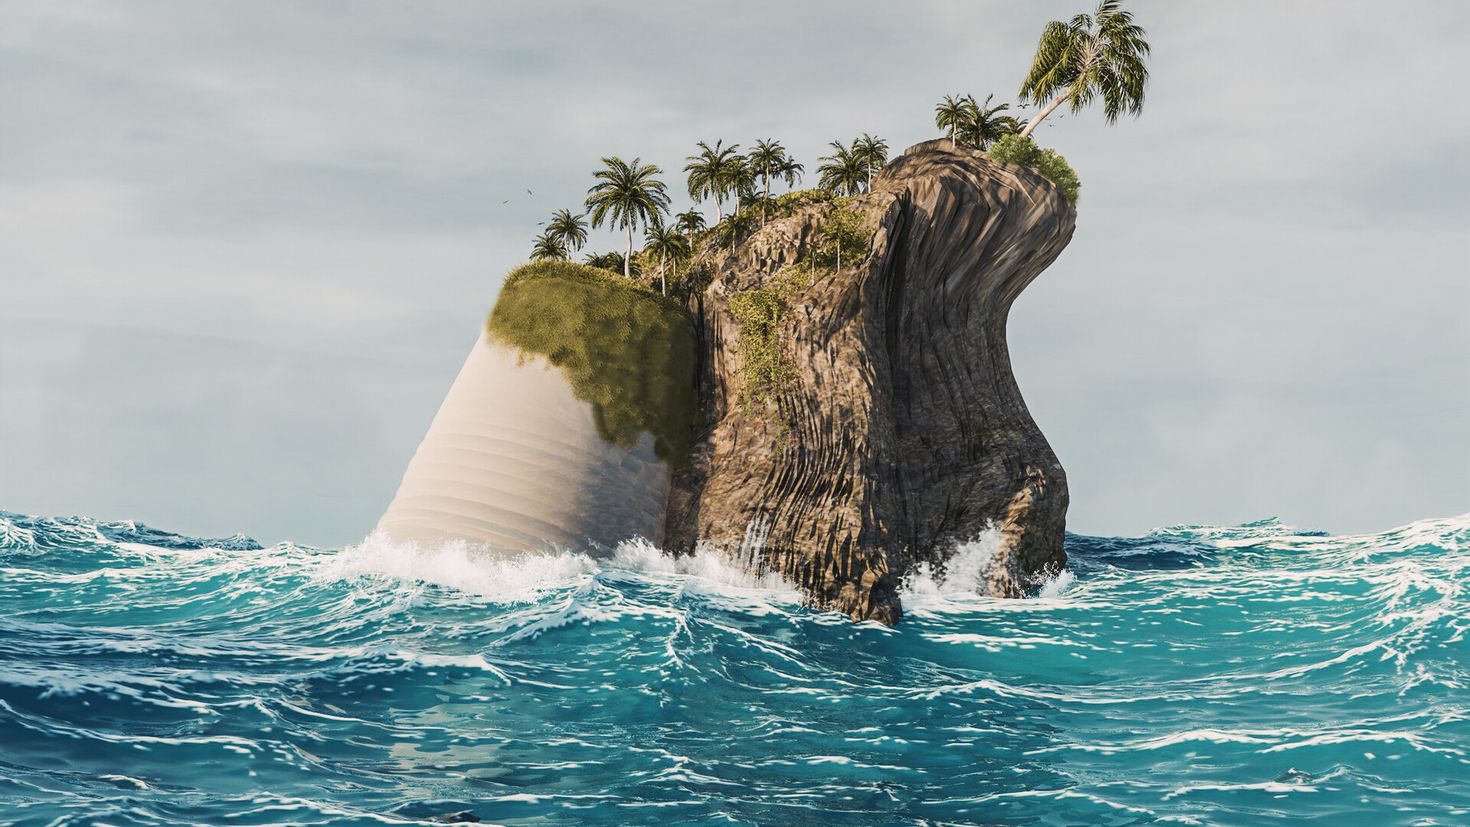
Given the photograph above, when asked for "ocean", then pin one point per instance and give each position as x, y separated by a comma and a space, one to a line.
1253, 674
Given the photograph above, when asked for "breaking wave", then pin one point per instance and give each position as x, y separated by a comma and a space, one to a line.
1197, 675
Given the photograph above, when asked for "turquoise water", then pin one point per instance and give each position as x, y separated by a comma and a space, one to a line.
1243, 675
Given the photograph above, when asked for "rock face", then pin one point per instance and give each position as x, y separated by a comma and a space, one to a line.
899, 429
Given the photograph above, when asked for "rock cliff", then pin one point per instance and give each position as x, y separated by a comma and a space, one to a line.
896, 428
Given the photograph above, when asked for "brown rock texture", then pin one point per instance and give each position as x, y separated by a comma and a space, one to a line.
899, 430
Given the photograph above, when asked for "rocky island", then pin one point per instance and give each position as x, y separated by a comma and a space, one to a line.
837, 405
898, 428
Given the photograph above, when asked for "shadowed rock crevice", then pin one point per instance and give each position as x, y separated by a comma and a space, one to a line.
899, 429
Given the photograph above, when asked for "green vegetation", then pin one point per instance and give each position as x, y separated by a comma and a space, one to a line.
759, 311
624, 349
689, 222
1087, 57
588, 320
668, 245
769, 160
614, 262
872, 153
627, 195
844, 171
976, 124
712, 173
1016, 149
843, 229
547, 247
570, 231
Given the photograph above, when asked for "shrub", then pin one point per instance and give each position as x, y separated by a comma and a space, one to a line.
1013, 149
624, 349
792, 202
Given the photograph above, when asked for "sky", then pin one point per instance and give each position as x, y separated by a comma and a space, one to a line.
244, 247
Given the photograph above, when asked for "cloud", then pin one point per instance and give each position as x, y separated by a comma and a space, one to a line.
1277, 246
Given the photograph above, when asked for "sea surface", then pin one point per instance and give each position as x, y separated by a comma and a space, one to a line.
1254, 674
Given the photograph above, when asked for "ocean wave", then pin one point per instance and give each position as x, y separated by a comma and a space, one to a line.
1197, 674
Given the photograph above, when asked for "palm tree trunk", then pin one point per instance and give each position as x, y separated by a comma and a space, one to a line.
1040, 116
719, 214
663, 283
766, 199
628, 259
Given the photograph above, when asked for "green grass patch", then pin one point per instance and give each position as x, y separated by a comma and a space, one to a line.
626, 350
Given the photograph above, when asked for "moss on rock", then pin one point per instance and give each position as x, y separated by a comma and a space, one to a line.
624, 349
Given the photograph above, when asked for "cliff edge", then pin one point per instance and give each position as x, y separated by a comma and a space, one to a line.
884, 424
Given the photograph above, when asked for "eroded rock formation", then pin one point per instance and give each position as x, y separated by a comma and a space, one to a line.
898, 428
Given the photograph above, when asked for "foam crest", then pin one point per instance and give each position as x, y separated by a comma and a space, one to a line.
459, 565
707, 564
529, 576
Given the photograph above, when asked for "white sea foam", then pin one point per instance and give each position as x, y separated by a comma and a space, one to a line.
962, 575
526, 577
959, 582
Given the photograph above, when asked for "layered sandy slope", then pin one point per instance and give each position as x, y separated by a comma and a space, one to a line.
514, 460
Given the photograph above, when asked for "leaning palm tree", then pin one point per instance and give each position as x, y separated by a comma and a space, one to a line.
1087, 57
951, 114
984, 125
627, 195
709, 173
548, 247
769, 160
843, 171
872, 152
667, 243
569, 230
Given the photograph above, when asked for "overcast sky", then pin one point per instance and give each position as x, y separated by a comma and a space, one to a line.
246, 245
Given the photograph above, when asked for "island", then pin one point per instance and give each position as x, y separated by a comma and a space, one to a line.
817, 385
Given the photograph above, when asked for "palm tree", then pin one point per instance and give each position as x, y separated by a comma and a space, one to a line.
612, 260
626, 195
951, 114
790, 171
741, 181
667, 243
843, 171
689, 222
1090, 56
769, 160
548, 247
709, 173
984, 126
570, 231
872, 153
